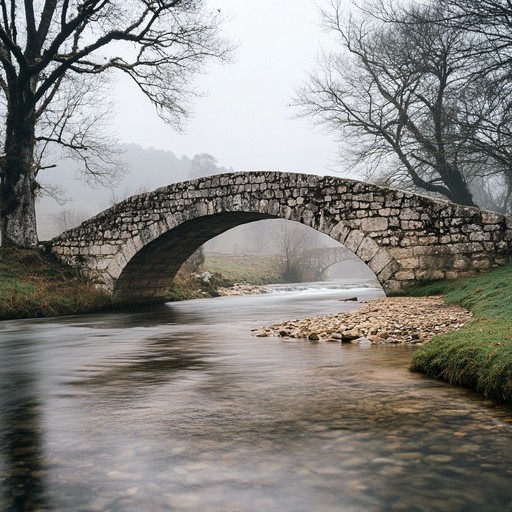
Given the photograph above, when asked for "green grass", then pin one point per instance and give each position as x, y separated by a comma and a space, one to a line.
479, 355
226, 270
250, 269
33, 284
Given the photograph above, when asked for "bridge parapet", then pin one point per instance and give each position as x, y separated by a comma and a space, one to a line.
134, 249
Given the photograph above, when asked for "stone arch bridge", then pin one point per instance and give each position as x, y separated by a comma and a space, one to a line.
325, 257
134, 249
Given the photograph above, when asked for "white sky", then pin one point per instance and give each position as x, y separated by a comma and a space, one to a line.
244, 121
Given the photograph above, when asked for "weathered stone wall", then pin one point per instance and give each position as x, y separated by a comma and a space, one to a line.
134, 249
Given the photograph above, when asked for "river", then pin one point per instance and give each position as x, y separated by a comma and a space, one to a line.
179, 408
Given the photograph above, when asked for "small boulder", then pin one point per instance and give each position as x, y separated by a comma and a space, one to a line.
350, 335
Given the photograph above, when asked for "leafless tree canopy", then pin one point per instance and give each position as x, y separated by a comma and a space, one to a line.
293, 246
407, 97
54, 58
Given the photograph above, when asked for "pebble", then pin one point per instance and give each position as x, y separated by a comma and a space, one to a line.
242, 289
395, 320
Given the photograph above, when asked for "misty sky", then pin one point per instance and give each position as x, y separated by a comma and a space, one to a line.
245, 121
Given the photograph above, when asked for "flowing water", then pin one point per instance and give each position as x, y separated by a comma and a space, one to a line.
178, 408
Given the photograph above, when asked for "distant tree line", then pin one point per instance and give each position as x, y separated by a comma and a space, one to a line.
419, 96
147, 169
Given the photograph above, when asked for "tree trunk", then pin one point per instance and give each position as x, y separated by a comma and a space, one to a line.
18, 183
454, 181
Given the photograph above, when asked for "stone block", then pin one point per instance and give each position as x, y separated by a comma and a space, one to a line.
114, 270
480, 237
367, 249
381, 259
409, 214
387, 272
405, 275
462, 263
108, 249
339, 232
428, 240
429, 275
411, 225
353, 240
409, 263
436, 261
372, 224
481, 264
490, 217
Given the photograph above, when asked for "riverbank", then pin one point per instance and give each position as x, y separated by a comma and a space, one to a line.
465, 335
223, 275
479, 356
34, 284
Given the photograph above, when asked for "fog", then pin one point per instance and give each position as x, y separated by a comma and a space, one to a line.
243, 119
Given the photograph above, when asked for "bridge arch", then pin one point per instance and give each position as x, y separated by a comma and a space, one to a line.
134, 249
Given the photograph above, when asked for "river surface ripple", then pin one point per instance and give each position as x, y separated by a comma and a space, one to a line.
178, 408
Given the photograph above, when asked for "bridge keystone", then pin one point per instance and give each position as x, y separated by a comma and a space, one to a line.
134, 249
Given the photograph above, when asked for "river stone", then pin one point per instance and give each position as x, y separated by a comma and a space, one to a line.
404, 319
350, 335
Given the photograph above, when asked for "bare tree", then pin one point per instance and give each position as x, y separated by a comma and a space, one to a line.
52, 52
490, 21
69, 219
293, 246
484, 106
394, 94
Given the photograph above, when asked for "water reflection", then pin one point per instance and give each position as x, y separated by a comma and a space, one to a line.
182, 410
157, 362
21, 443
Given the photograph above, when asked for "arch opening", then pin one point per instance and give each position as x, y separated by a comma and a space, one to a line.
149, 274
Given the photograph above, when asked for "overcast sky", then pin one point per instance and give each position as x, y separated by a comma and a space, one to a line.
245, 121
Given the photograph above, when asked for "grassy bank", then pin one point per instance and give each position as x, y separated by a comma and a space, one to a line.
185, 286
478, 356
33, 284
244, 268
226, 270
